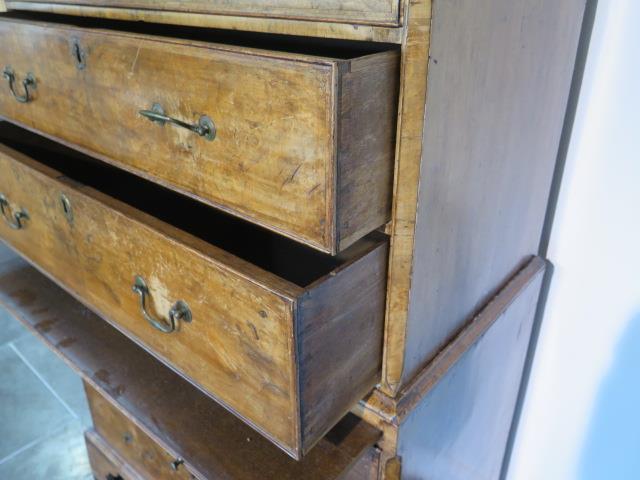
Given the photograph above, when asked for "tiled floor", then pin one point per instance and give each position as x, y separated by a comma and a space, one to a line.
43, 411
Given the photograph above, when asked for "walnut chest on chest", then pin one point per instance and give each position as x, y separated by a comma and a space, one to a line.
286, 240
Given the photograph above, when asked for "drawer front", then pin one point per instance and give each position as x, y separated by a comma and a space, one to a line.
376, 12
255, 342
135, 447
275, 116
105, 462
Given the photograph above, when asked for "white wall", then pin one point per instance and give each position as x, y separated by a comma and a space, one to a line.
594, 298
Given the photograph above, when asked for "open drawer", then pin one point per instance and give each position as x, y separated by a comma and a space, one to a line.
296, 136
285, 337
157, 409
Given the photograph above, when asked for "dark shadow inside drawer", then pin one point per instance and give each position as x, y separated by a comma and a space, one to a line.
272, 252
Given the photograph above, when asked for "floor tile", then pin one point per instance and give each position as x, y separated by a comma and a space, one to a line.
5, 253
10, 328
61, 456
29, 409
58, 375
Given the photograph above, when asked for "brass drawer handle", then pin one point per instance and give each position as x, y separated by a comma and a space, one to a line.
205, 126
29, 81
179, 311
13, 219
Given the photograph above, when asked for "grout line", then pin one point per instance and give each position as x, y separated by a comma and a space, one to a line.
41, 378
35, 442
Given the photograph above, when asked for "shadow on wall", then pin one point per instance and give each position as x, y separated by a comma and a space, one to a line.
612, 446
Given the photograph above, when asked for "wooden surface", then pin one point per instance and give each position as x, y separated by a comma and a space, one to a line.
251, 331
369, 90
104, 461
131, 443
389, 414
413, 90
180, 418
395, 409
526, 280
340, 360
459, 430
303, 28
498, 81
372, 12
301, 138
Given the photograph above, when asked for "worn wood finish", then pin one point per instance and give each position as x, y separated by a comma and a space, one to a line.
104, 461
171, 411
459, 430
492, 345
413, 91
346, 31
498, 81
131, 443
525, 283
367, 12
394, 410
304, 143
366, 468
256, 342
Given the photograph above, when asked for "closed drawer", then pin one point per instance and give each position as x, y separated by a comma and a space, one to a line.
285, 337
303, 143
106, 464
375, 12
133, 445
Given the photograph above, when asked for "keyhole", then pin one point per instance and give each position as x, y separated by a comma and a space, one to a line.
66, 207
78, 54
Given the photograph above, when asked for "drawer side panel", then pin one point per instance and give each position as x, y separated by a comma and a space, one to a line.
340, 333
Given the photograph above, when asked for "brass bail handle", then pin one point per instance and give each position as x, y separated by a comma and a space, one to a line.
29, 81
179, 311
205, 126
13, 219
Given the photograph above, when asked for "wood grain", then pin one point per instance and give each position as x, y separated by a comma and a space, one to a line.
283, 140
413, 424
370, 33
499, 79
368, 12
394, 410
413, 91
131, 443
365, 175
459, 429
333, 353
104, 461
246, 344
171, 411
474, 162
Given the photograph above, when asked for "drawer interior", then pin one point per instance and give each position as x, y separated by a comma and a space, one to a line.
270, 251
